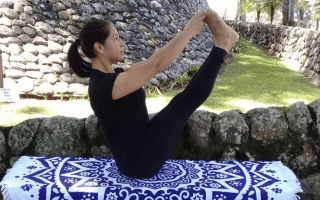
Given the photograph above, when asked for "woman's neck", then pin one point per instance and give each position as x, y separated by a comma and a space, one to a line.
104, 67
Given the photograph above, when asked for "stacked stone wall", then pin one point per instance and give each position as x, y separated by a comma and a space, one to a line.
299, 45
35, 36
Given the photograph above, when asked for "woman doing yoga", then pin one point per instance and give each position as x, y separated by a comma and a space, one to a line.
140, 147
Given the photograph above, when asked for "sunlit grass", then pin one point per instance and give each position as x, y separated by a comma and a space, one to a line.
30, 110
22, 114
254, 79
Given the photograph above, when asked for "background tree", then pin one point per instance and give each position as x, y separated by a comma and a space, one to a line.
242, 17
316, 13
238, 17
302, 6
270, 6
291, 17
251, 5
285, 12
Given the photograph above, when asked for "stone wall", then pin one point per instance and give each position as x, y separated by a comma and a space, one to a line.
298, 45
289, 134
35, 36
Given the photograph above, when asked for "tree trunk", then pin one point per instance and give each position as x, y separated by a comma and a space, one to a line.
258, 15
285, 12
301, 13
272, 13
291, 11
236, 19
242, 17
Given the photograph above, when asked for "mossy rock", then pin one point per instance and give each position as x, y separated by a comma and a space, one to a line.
282, 109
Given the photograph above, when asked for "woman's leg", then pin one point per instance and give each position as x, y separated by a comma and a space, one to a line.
163, 131
165, 128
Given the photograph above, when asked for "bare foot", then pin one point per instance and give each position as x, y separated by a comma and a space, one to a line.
224, 36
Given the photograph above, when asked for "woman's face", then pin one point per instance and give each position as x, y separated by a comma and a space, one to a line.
113, 49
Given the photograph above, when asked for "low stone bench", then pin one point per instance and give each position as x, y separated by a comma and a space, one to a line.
99, 179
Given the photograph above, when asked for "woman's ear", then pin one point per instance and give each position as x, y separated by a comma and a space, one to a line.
98, 47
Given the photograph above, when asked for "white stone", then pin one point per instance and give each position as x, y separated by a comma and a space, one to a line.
10, 83
15, 49
45, 88
50, 78
25, 84
13, 73
32, 67
44, 50
29, 57
34, 74
31, 48
78, 88
55, 47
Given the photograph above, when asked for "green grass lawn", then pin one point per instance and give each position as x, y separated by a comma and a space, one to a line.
255, 78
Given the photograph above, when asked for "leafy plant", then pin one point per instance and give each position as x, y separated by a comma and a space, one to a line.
152, 89
181, 79
70, 97
46, 97
61, 96
293, 48
239, 46
302, 60
84, 95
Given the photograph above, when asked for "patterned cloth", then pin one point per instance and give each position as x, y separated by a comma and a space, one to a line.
61, 178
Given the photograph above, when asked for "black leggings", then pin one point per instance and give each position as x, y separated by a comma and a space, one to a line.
165, 128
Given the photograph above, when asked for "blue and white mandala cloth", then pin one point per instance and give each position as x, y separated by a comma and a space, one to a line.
62, 178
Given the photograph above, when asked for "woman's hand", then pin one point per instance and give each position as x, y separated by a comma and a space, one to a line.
196, 23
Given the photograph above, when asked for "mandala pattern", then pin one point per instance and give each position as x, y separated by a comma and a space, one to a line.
59, 178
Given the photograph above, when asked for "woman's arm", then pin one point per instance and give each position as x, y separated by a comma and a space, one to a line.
165, 55
136, 65
168, 53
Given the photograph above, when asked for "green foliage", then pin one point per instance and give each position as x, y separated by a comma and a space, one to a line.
302, 5
264, 6
186, 76
84, 95
302, 60
246, 6
29, 110
269, 4
45, 97
294, 48
152, 89
251, 5
239, 46
316, 15
61, 96
70, 97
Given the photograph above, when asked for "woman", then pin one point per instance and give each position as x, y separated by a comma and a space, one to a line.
140, 147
